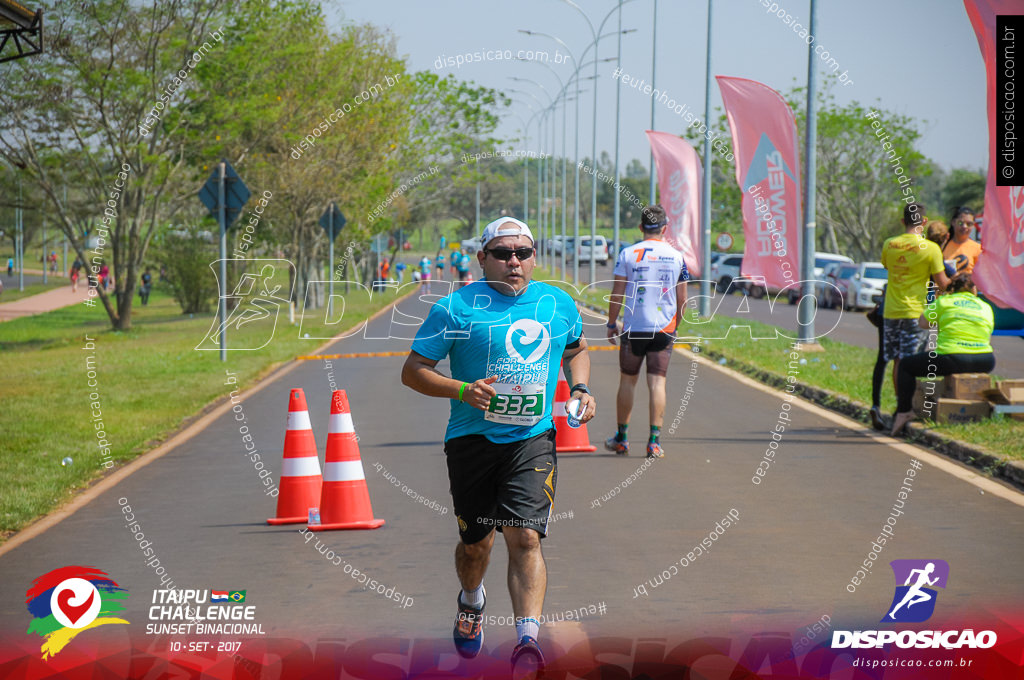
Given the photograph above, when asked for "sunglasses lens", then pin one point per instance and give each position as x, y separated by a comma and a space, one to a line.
505, 254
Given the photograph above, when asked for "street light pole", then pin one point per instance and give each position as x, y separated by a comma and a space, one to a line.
654, 54
705, 282
618, 97
805, 313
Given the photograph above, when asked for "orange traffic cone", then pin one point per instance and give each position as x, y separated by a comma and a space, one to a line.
567, 438
345, 503
300, 471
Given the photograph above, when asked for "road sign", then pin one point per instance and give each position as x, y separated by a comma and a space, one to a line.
338, 223
224, 194
724, 241
236, 194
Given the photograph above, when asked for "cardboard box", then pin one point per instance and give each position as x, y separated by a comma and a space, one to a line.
966, 385
1007, 392
962, 410
928, 392
1013, 390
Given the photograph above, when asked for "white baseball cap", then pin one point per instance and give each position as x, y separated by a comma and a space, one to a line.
504, 226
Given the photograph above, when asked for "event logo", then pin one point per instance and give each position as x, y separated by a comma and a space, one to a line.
69, 600
527, 340
255, 304
914, 601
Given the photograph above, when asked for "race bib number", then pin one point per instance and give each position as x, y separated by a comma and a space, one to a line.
516, 404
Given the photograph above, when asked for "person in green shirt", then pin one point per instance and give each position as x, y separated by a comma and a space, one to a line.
965, 324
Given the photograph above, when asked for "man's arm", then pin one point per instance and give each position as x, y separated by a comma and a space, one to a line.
680, 302
615, 306
941, 280
576, 365
420, 374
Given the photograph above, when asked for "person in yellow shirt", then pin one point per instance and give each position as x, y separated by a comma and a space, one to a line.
960, 248
965, 324
911, 261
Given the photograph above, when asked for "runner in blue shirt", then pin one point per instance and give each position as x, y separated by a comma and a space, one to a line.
504, 337
463, 266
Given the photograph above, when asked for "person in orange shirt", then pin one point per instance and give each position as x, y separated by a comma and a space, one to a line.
960, 248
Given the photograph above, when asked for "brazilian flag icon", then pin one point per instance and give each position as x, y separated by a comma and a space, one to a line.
237, 595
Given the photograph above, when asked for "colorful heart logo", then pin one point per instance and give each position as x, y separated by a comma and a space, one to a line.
73, 612
75, 603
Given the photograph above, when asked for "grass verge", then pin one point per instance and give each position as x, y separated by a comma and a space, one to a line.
149, 381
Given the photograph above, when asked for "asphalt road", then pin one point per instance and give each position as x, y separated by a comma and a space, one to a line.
849, 327
799, 539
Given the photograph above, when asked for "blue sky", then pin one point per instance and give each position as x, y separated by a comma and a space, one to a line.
917, 57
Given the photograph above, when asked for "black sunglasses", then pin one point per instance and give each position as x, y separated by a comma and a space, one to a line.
505, 254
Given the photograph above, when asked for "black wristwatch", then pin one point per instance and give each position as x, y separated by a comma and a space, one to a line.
580, 387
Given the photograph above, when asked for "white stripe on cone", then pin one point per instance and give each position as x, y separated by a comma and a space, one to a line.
340, 423
307, 466
298, 420
559, 409
344, 471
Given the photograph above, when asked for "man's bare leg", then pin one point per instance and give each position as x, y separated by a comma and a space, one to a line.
471, 561
527, 573
656, 385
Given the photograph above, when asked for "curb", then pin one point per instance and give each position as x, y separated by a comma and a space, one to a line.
987, 462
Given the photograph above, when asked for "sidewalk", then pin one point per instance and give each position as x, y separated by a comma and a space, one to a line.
44, 302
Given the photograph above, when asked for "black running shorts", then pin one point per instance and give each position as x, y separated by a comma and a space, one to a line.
655, 347
501, 485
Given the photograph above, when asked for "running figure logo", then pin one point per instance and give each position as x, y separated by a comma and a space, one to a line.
259, 296
914, 601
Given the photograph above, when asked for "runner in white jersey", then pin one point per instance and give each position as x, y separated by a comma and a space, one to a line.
650, 277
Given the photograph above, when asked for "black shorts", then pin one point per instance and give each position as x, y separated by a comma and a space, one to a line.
501, 485
655, 347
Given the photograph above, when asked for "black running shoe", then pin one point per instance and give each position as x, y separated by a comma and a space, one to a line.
877, 421
527, 659
468, 633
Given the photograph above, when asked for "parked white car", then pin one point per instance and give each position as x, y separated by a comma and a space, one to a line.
863, 284
598, 251
724, 270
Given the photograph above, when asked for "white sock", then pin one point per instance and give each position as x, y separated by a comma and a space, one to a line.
527, 626
473, 598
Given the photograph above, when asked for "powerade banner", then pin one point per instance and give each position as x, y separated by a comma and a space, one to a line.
768, 172
999, 272
679, 181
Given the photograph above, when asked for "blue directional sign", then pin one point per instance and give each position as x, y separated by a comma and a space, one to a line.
236, 194
332, 217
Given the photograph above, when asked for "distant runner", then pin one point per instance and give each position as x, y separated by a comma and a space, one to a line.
652, 276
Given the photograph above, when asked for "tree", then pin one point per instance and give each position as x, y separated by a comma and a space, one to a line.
861, 163
963, 187
186, 254
112, 66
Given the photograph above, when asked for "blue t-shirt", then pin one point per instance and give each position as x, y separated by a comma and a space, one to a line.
463, 263
519, 338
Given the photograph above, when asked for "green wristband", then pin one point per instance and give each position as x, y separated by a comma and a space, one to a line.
462, 389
